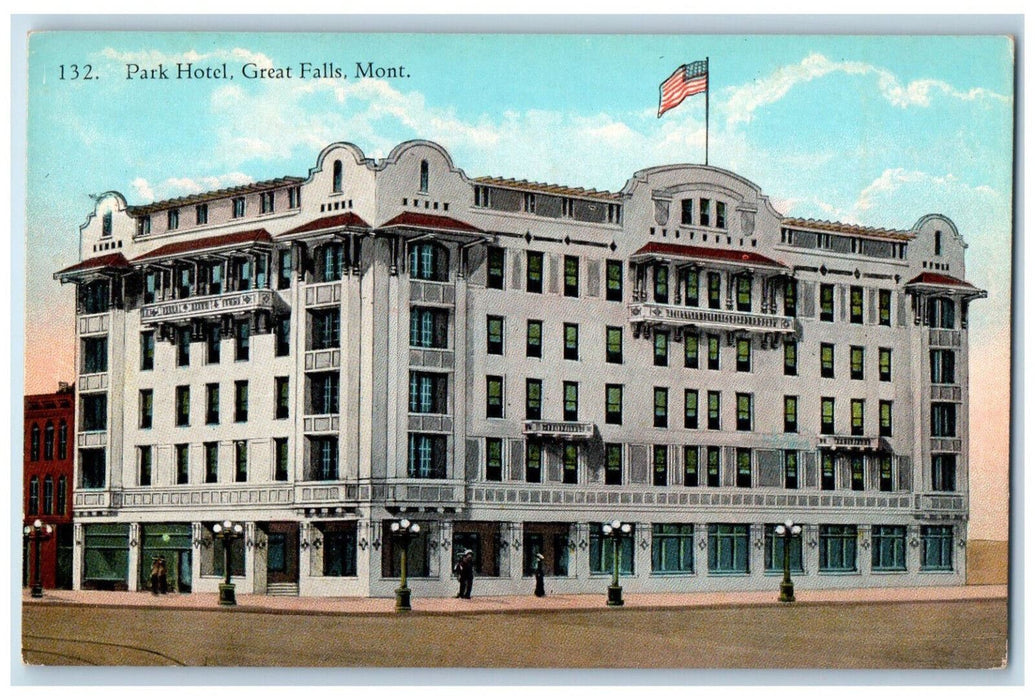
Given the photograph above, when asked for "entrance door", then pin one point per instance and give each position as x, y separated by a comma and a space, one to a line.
282, 553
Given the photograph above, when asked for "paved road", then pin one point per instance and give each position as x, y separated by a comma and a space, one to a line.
943, 634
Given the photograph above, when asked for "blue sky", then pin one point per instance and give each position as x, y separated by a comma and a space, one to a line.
871, 130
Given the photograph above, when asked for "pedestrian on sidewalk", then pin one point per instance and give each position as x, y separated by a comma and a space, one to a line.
465, 572
163, 576
540, 588
155, 575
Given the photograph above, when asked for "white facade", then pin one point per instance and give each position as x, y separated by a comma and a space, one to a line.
410, 295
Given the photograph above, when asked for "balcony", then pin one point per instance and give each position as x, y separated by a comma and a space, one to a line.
687, 316
944, 338
560, 430
193, 307
853, 443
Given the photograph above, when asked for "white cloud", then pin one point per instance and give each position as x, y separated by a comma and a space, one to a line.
179, 186
143, 189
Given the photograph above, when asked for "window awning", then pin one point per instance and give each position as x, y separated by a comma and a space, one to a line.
937, 282
430, 223
229, 242
328, 224
112, 261
722, 256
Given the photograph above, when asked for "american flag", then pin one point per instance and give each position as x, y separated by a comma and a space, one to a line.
689, 79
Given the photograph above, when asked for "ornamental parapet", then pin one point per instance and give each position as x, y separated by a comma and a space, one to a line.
560, 430
853, 443
684, 316
214, 305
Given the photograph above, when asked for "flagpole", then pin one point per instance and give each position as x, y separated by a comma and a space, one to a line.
707, 91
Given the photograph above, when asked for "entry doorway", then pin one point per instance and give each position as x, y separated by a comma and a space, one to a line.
282, 553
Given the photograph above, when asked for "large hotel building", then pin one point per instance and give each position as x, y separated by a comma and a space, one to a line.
512, 364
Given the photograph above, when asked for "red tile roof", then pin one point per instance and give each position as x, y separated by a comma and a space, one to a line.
348, 219
850, 229
939, 279
250, 188
410, 219
109, 260
547, 188
241, 239
701, 253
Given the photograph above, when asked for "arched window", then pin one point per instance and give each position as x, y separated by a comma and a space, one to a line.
336, 185
63, 441
34, 495
48, 441
34, 443
62, 495
937, 242
424, 176
941, 313
429, 261
48, 495
329, 262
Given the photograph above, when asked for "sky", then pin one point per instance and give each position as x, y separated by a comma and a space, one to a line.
871, 130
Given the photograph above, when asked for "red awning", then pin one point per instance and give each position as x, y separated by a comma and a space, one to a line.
113, 260
346, 220
693, 252
939, 280
431, 222
231, 241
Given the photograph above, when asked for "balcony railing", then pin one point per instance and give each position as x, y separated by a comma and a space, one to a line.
192, 307
945, 338
679, 316
941, 502
853, 443
560, 430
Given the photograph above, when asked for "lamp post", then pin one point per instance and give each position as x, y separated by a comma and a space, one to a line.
37, 533
615, 529
228, 532
403, 530
788, 530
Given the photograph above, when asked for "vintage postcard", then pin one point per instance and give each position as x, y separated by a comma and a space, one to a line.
514, 344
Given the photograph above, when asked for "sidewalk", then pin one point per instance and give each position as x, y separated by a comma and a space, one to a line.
378, 606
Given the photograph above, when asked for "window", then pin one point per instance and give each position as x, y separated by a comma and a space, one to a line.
63, 440
282, 330
95, 413
790, 469
691, 456
48, 442
936, 547
661, 348
706, 212
690, 409
529, 202
494, 397
686, 212
856, 468
429, 392
790, 297
743, 467
323, 459
325, 329
534, 273
693, 283
884, 413
613, 464
213, 343
790, 414
713, 410
533, 462
240, 461
182, 406
857, 362
943, 420
826, 415
336, 177
776, 545
184, 282
201, 214
144, 225
714, 456
280, 459
182, 464
826, 360
242, 342
614, 280
943, 367
713, 351
212, 404
790, 358
601, 551
429, 261
106, 224
714, 285
943, 472
691, 350
481, 196
826, 302
238, 204
34, 496
937, 242
571, 401
282, 396
95, 298
885, 480
495, 264
427, 456
613, 404
672, 548
720, 214
533, 399
493, 459
429, 328
743, 293
614, 344
284, 269
855, 304
745, 411
827, 476
214, 277
941, 313
661, 284
494, 335
95, 355
211, 462
570, 463
837, 548
884, 307
147, 350
92, 467
183, 346
884, 364
323, 393
571, 341
660, 407
329, 262
727, 549
62, 495
241, 400
888, 547
858, 416
743, 355
424, 176
571, 276
147, 407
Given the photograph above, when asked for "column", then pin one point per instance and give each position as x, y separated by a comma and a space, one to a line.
77, 556
365, 552
810, 549
196, 538
578, 565
514, 535
756, 553
864, 550
642, 553
135, 546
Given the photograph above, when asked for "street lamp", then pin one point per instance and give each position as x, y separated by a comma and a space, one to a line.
403, 530
37, 533
615, 529
787, 530
227, 532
